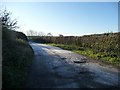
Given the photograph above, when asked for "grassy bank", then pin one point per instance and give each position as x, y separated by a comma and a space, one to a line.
17, 58
90, 53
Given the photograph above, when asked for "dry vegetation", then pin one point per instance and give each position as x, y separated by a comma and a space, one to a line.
16, 53
17, 58
99, 46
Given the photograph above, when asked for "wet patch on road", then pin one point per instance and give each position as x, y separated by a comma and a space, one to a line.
54, 67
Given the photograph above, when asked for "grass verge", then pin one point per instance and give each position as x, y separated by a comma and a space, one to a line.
90, 53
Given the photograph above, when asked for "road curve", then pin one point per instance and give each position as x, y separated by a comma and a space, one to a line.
53, 67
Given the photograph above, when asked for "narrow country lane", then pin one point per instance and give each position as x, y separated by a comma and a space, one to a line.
53, 67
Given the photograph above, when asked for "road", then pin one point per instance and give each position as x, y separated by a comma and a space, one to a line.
53, 67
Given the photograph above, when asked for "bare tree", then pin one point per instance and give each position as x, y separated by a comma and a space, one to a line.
5, 17
30, 33
41, 34
34, 33
60, 35
49, 34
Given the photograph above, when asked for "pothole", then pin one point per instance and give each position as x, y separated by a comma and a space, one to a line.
79, 61
63, 58
82, 60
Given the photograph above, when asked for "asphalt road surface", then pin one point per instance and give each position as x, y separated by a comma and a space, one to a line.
53, 67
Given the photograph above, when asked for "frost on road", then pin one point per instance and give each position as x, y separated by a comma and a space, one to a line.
53, 67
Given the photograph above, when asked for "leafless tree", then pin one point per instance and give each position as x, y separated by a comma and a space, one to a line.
6, 20
34, 33
49, 34
60, 35
30, 33
41, 34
